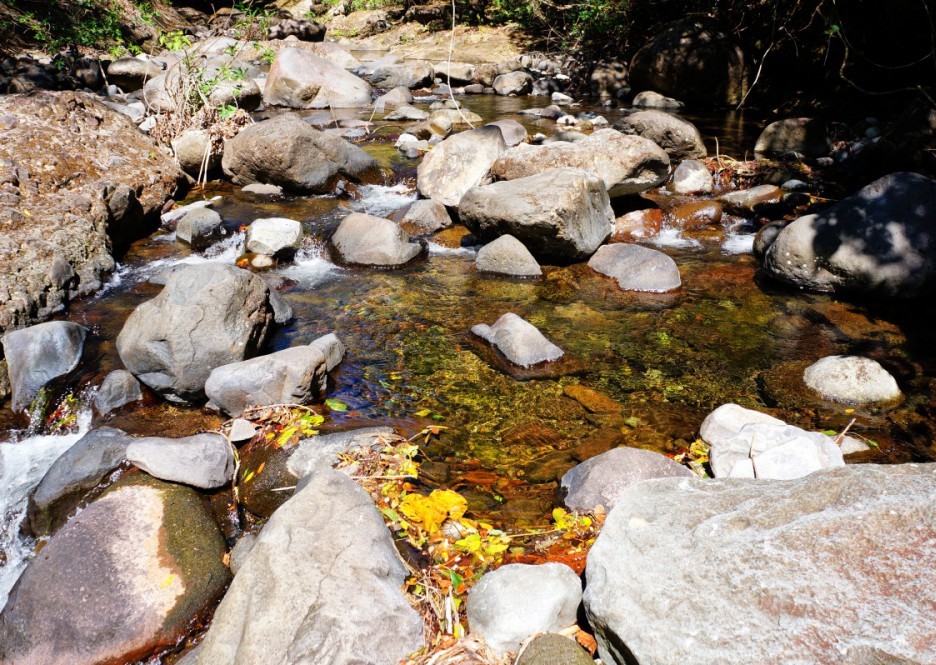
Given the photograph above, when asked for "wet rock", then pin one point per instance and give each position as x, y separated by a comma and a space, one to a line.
409, 75
459, 163
121, 581
321, 452
131, 74
303, 80
292, 376
654, 100
637, 224
679, 138
696, 214
507, 256
200, 228
206, 316
778, 564
551, 649
691, 177
76, 472
398, 97
274, 236
190, 150
514, 83
425, 216
514, 133
851, 379
261, 189
118, 389
347, 602
779, 452
561, 214
802, 136
38, 354
519, 341
598, 442
288, 152
515, 601
592, 400
749, 201
726, 422
637, 268
766, 236
203, 460
367, 240
626, 164
692, 59
878, 242
603, 479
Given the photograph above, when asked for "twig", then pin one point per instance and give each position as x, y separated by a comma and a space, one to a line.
841, 436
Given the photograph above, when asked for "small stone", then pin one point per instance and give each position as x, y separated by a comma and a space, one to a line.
262, 189
637, 268
120, 387
242, 430
507, 256
592, 400
203, 460
691, 177
851, 379
519, 341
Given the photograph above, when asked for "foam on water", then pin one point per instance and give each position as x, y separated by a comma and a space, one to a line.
381, 200
742, 243
224, 251
672, 237
310, 267
451, 251
23, 463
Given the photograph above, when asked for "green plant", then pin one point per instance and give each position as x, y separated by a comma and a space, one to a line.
227, 112
267, 55
175, 40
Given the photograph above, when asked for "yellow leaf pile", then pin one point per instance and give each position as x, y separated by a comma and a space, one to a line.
429, 512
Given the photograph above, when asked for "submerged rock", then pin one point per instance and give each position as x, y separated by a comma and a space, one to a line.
118, 389
301, 79
515, 601
559, 214
38, 354
637, 268
347, 605
780, 570
202, 460
851, 379
519, 341
367, 240
459, 163
678, 137
122, 581
507, 256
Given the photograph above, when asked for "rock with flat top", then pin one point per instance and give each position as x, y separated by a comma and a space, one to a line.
367, 240
519, 341
203, 460
636, 268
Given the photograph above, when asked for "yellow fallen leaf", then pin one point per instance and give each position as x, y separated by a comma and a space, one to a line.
430, 511
166, 582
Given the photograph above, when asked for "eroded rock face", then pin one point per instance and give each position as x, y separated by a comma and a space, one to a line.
345, 607
301, 79
121, 581
626, 164
77, 178
879, 242
778, 571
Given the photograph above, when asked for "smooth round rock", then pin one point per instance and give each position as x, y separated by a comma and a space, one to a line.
851, 379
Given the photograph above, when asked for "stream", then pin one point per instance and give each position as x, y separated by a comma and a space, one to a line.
668, 359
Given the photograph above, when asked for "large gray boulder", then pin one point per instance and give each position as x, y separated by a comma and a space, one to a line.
459, 163
626, 164
879, 242
562, 213
513, 83
76, 472
274, 236
118, 389
345, 607
206, 316
778, 452
851, 379
204, 461
301, 79
637, 268
411, 74
38, 354
825, 569
367, 240
122, 581
515, 601
288, 152
804, 136
507, 256
602, 480
678, 137
200, 228
292, 376
519, 341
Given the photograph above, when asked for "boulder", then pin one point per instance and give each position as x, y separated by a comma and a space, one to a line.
516, 601
626, 164
679, 138
196, 152
292, 376
407, 112
321, 452
726, 422
561, 213
398, 97
203, 460
274, 236
695, 60
122, 581
367, 240
76, 472
507, 256
851, 379
207, 315
636, 268
347, 603
454, 73
425, 216
459, 163
514, 133
732, 571
746, 202
878, 242
301, 79
410, 75
803, 136
650, 99
778, 452
514, 83
288, 152
39, 354
200, 228
332, 348
602, 480
691, 177
519, 341
118, 389
132, 73
766, 236
552, 649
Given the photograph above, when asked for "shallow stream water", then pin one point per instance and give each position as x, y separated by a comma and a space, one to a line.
668, 359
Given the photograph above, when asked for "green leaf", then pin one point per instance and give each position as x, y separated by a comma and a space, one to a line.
829, 432
336, 405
